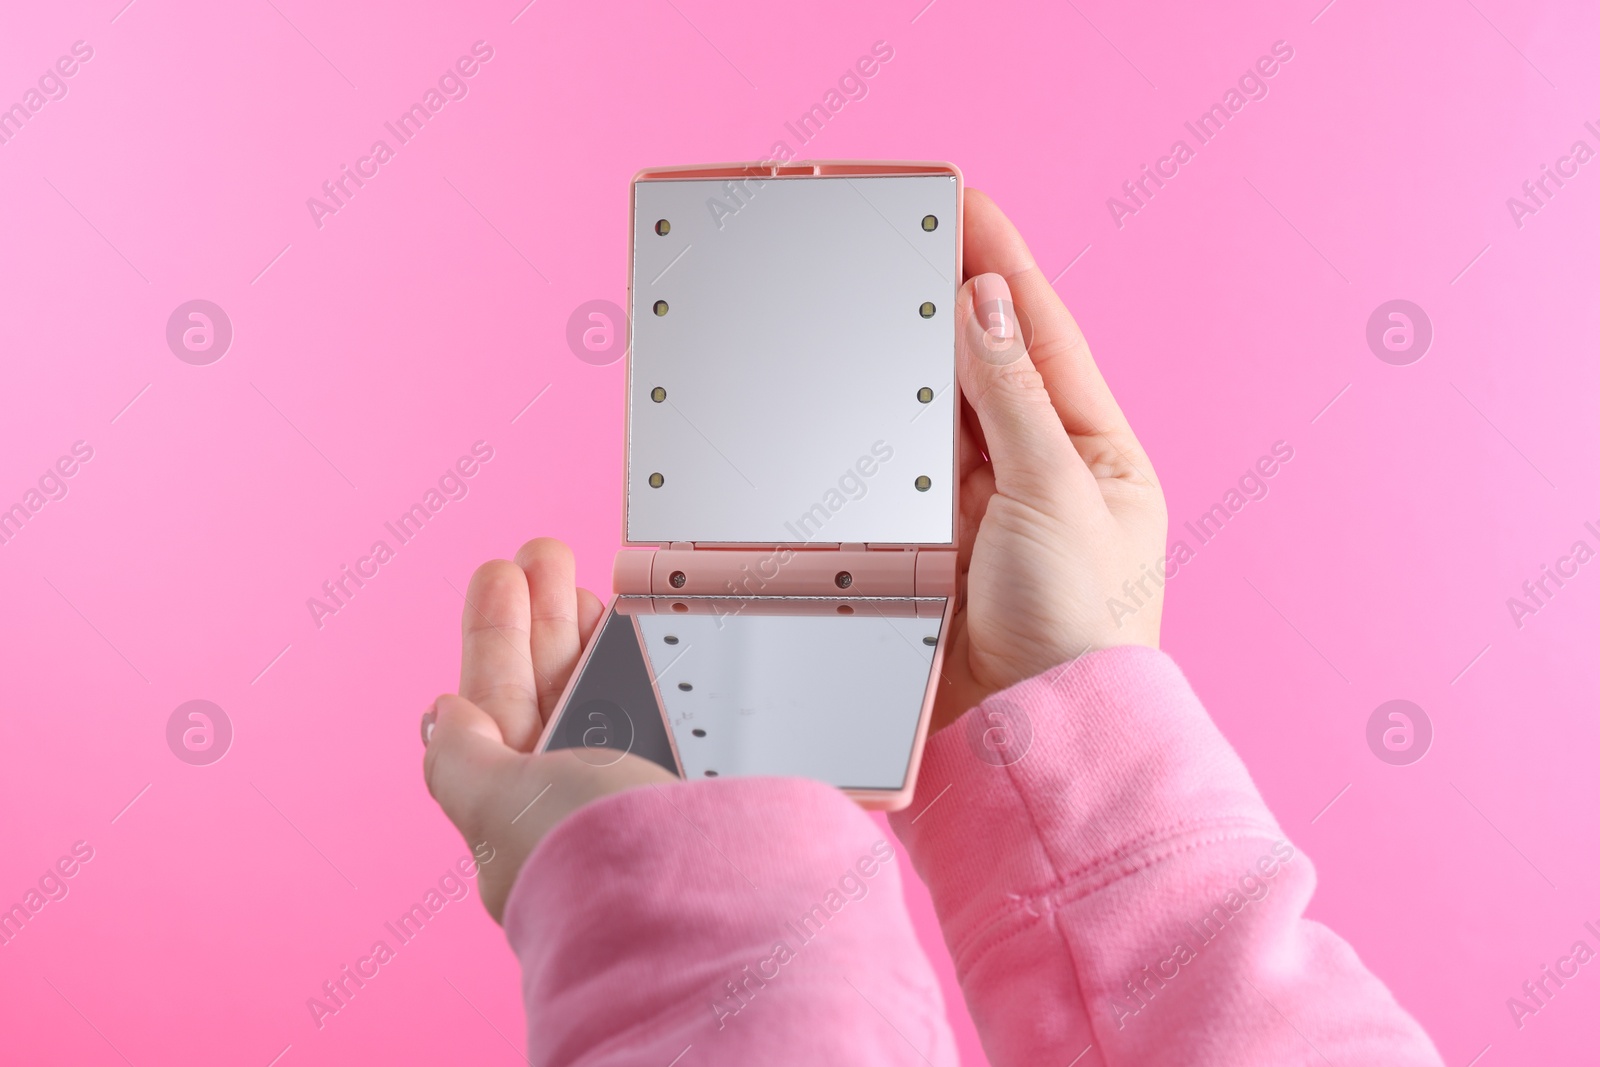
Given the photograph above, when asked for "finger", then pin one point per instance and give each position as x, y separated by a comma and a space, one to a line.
1033, 459
977, 485
991, 244
590, 611
976, 489
464, 746
972, 452
553, 604
496, 672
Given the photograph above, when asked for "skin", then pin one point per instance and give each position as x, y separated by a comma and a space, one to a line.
1059, 508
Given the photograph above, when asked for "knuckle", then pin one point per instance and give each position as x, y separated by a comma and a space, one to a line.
496, 692
1020, 378
1069, 346
1012, 386
557, 615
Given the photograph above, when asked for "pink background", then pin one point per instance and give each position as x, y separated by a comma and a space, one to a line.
1227, 314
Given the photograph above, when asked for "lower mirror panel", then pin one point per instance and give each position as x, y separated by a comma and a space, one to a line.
830, 689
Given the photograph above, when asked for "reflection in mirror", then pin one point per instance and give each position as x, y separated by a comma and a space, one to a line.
612, 708
791, 369
719, 687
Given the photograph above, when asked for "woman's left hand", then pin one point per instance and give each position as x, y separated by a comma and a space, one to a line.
524, 625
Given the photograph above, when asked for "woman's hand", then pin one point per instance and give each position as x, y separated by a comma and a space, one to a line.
522, 630
1061, 514
1060, 509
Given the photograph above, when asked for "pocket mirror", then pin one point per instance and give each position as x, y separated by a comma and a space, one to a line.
791, 456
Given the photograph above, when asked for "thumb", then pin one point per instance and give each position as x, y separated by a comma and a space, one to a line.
465, 749
1023, 434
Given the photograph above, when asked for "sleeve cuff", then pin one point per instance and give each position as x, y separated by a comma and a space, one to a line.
1068, 781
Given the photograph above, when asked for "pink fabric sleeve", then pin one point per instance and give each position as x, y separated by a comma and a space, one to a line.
741, 921
1113, 888
1119, 894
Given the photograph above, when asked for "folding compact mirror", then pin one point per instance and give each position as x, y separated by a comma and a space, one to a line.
791, 464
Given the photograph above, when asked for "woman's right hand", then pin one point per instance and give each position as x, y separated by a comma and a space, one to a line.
1061, 512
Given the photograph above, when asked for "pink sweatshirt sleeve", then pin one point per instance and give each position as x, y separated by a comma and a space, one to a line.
1111, 885
1117, 895
741, 921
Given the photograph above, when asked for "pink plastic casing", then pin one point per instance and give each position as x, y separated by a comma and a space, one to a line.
878, 571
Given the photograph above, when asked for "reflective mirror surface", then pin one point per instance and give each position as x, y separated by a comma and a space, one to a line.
806, 687
792, 362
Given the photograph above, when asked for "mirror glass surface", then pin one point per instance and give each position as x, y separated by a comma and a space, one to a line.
792, 361
805, 687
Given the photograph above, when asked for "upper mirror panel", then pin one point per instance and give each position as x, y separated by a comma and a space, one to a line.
792, 369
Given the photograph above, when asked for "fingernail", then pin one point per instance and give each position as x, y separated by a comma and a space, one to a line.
992, 332
991, 306
428, 718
